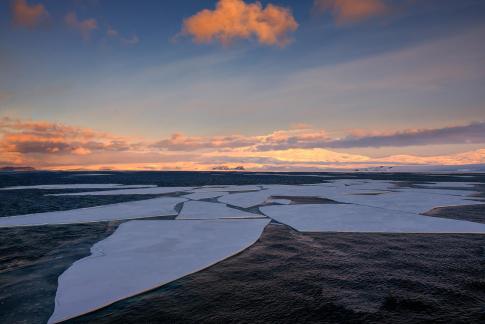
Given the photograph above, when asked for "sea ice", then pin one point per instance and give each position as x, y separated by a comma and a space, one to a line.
79, 186
142, 255
357, 218
246, 199
164, 206
450, 184
141, 191
413, 201
209, 210
229, 188
205, 195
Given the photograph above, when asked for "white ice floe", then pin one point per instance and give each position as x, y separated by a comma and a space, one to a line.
209, 210
228, 188
205, 195
413, 201
246, 199
141, 191
164, 206
250, 199
278, 201
381, 185
463, 185
142, 255
447, 192
79, 186
356, 218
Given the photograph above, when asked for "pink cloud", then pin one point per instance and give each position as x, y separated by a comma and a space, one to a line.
349, 11
39, 137
55, 145
232, 19
27, 15
85, 27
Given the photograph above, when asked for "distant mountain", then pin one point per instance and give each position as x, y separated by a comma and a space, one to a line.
17, 168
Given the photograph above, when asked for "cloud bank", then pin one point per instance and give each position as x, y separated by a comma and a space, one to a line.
58, 146
233, 19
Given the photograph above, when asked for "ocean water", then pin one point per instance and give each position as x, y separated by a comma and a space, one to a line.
286, 277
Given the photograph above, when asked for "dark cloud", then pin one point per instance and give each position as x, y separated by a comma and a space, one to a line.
469, 134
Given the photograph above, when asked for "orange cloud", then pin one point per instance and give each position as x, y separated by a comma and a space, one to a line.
37, 137
53, 146
85, 27
472, 157
235, 19
348, 11
26, 15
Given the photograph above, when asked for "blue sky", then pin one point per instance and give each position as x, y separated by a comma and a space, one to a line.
419, 65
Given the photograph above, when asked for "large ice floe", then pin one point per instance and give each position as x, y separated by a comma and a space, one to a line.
142, 255
137, 191
199, 195
79, 186
212, 190
210, 210
356, 218
164, 206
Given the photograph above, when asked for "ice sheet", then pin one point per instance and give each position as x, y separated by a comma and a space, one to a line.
228, 188
450, 184
246, 199
204, 195
164, 206
356, 218
142, 255
141, 191
209, 210
414, 201
79, 186
250, 199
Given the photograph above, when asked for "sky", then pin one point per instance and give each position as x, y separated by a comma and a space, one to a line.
270, 85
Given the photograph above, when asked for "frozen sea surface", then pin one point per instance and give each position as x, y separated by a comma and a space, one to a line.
360, 201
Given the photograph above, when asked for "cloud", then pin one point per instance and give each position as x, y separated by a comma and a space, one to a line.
85, 27
349, 11
54, 145
309, 138
111, 32
234, 19
131, 40
26, 15
469, 134
181, 142
472, 157
36, 137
